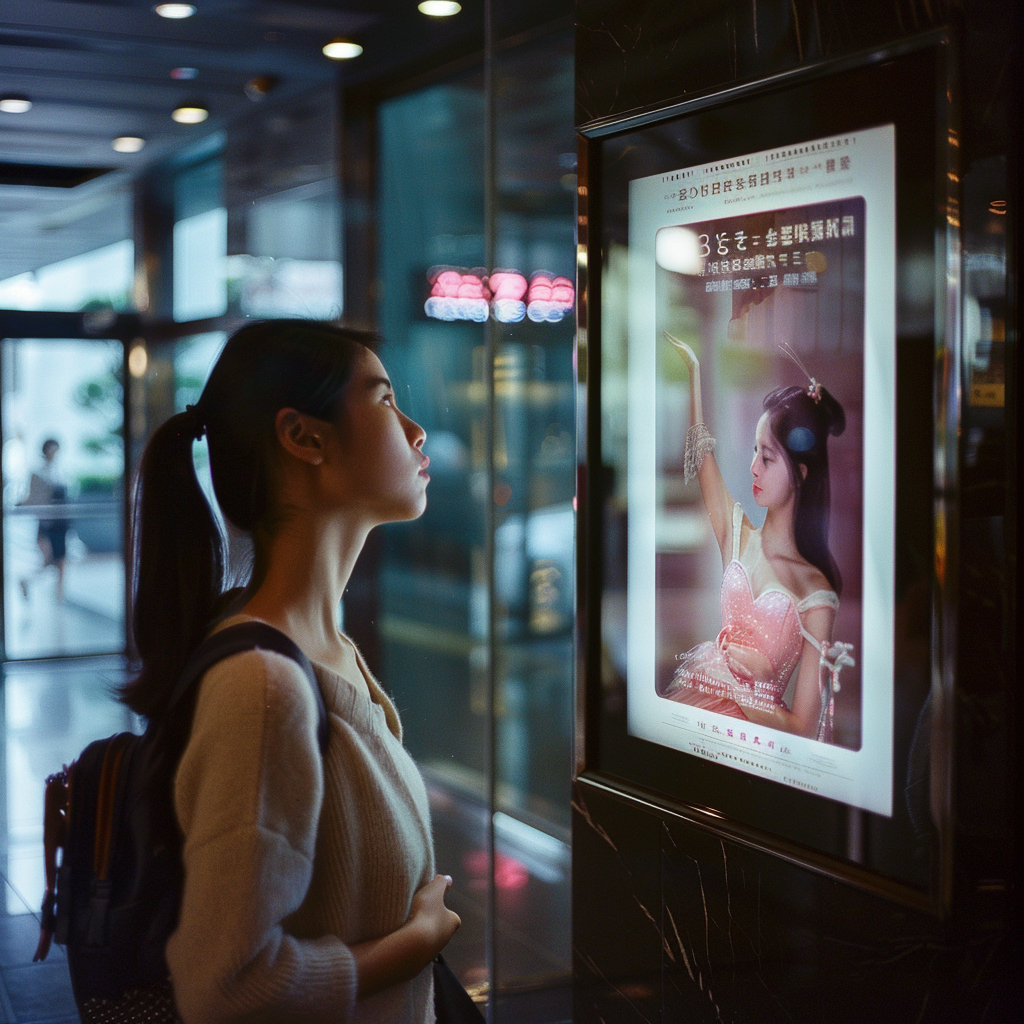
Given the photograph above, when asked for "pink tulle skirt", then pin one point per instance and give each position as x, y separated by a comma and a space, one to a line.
703, 680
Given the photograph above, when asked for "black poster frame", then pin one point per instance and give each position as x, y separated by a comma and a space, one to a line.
914, 87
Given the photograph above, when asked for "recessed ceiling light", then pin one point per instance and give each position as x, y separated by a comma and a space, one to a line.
15, 104
128, 144
439, 8
184, 74
342, 49
190, 114
175, 11
138, 360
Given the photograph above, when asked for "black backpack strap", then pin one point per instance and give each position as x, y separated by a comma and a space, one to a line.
249, 636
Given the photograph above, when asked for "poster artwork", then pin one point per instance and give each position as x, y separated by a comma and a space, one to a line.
761, 518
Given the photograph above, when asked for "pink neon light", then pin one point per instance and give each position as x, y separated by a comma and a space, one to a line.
460, 294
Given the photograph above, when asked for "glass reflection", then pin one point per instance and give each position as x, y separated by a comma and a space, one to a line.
63, 461
429, 606
200, 242
425, 606
100, 279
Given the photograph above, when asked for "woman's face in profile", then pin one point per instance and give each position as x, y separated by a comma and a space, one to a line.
382, 470
773, 482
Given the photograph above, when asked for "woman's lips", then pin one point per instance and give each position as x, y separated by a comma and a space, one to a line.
757, 490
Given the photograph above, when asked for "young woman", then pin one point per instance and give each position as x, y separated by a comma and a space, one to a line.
781, 585
310, 893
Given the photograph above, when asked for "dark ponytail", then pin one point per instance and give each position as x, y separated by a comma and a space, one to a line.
802, 422
179, 564
177, 542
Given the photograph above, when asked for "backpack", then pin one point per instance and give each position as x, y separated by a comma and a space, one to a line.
114, 900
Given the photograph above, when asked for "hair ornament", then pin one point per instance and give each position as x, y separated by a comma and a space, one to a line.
800, 439
198, 426
813, 387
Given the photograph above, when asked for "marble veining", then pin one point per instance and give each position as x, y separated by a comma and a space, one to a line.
634, 56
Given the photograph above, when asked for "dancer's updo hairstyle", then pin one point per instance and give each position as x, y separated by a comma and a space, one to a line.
801, 424
179, 550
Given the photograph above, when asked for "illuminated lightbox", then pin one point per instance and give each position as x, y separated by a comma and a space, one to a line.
759, 261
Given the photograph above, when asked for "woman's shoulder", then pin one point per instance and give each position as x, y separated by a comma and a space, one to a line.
245, 690
812, 588
273, 668
803, 580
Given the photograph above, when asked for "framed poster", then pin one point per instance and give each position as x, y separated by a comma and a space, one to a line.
767, 278
763, 293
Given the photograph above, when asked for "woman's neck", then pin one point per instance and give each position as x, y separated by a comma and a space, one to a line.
308, 565
778, 539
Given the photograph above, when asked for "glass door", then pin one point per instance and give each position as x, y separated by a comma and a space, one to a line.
62, 417
467, 612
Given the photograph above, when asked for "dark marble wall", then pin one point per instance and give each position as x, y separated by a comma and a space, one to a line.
677, 924
634, 55
673, 922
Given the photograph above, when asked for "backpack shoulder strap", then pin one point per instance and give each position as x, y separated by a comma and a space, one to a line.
250, 636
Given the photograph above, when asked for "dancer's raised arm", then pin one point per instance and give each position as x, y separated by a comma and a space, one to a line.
699, 460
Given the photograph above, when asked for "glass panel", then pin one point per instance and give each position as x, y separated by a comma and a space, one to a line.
292, 265
426, 605
200, 243
68, 249
101, 279
534, 488
63, 461
284, 211
200, 250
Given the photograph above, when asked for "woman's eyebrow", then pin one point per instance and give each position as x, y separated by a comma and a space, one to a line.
378, 382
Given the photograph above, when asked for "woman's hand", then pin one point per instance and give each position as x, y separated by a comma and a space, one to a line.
717, 499
748, 664
435, 922
689, 356
401, 955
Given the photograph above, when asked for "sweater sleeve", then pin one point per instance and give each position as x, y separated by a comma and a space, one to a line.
248, 794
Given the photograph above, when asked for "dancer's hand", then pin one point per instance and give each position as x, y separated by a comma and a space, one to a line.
689, 356
693, 366
748, 664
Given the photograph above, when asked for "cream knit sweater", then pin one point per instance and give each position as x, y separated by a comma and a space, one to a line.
290, 858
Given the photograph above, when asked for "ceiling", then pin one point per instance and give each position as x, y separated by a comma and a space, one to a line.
98, 70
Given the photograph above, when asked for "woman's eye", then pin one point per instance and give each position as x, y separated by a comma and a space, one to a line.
389, 399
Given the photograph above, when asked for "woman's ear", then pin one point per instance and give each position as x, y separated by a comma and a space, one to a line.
300, 435
803, 470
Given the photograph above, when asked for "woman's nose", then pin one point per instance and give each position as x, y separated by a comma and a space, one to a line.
416, 434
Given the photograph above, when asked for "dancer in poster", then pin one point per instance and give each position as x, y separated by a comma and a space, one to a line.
781, 585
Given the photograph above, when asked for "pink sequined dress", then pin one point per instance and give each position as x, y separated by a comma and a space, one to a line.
769, 624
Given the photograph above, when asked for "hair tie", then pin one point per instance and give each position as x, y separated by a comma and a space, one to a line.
198, 426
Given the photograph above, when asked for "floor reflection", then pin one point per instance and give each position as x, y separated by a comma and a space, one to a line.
53, 709
87, 618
